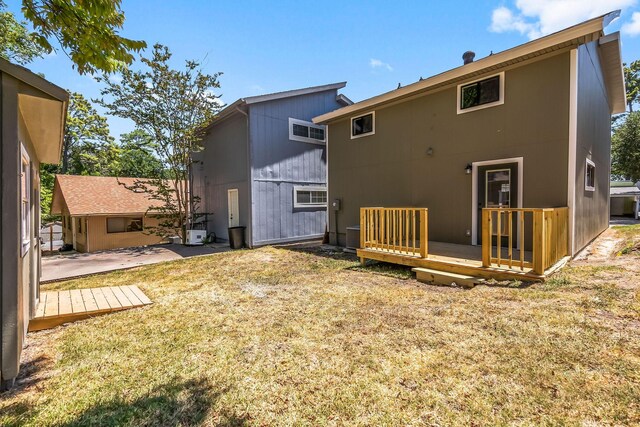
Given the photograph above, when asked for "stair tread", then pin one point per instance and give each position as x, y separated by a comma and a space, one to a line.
443, 273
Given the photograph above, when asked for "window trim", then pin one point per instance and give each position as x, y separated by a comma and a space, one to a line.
309, 140
298, 188
587, 187
25, 198
500, 100
106, 223
373, 127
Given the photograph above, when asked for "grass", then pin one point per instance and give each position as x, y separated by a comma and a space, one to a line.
283, 337
630, 243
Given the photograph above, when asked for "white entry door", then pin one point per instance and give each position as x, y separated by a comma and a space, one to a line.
232, 203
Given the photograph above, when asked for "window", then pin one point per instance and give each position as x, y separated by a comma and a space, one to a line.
481, 94
299, 130
363, 125
25, 201
590, 176
304, 197
124, 224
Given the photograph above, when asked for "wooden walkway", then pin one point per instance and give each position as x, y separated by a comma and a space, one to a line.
58, 307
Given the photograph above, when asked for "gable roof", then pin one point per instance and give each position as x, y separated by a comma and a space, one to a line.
571, 37
235, 106
99, 195
44, 110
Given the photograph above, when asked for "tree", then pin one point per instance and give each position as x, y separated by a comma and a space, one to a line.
172, 107
16, 43
87, 31
86, 139
626, 148
632, 82
136, 157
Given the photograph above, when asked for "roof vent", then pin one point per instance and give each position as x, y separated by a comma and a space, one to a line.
468, 56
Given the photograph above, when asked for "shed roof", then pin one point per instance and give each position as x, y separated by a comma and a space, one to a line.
99, 195
571, 37
626, 191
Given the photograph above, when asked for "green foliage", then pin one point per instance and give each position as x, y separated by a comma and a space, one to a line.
17, 44
626, 148
136, 157
86, 30
47, 178
172, 107
632, 82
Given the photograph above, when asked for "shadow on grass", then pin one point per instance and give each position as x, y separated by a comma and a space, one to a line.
186, 403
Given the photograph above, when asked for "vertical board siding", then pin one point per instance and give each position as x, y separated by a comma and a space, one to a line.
279, 164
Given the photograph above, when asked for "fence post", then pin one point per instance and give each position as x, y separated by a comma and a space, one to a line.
486, 238
363, 228
424, 239
539, 241
51, 237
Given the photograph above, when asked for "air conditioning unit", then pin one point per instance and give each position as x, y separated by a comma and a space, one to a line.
196, 237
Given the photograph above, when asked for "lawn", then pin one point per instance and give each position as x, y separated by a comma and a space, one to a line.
284, 336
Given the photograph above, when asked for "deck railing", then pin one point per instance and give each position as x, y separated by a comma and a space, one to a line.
397, 230
549, 237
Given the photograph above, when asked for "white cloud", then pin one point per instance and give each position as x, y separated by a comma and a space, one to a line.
376, 63
632, 28
536, 18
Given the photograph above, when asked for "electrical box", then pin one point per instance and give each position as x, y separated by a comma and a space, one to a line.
196, 237
335, 205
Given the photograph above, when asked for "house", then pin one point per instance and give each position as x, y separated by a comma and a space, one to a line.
263, 166
625, 199
100, 213
32, 117
508, 152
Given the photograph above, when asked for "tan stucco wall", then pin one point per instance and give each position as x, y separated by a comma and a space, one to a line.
392, 167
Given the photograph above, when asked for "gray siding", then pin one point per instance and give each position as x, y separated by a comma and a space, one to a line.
278, 164
594, 143
392, 168
224, 167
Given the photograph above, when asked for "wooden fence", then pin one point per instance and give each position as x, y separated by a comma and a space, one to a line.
397, 230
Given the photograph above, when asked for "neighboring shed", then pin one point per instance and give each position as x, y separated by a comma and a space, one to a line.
101, 213
625, 199
32, 117
264, 166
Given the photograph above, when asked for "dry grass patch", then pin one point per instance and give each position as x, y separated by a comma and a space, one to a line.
285, 337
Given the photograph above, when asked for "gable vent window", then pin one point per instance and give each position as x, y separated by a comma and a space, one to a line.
300, 130
483, 93
306, 197
590, 176
363, 125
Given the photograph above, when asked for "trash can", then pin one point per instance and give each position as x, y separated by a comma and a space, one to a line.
236, 237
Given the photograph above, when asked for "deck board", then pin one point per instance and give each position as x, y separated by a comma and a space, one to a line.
59, 307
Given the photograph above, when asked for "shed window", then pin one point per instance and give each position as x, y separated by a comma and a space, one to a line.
363, 125
25, 200
309, 197
481, 94
124, 224
300, 130
590, 176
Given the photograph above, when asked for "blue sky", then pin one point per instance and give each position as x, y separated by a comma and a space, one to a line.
264, 47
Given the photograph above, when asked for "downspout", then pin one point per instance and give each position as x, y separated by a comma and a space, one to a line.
249, 238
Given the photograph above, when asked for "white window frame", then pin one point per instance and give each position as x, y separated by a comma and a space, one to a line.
299, 188
309, 140
587, 187
373, 127
500, 100
25, 200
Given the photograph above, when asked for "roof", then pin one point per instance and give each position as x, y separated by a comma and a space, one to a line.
571, 37
233, 108
44, 111
624, 189
99, 195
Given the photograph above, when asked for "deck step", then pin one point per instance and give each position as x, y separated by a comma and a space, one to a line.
436, 277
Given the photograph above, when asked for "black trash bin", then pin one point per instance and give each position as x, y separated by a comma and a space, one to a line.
236, 237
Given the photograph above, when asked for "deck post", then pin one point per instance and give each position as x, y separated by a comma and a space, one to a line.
424, 239
486, 238
363, 227
539, 242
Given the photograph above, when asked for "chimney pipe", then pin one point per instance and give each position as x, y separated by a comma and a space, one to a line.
468, 56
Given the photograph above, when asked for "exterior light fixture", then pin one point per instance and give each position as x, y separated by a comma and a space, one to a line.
468, 169
430, 151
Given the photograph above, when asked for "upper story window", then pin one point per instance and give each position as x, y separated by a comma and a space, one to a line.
590, 176
363, 125
305, 197
300, 130
483, 93
25, 200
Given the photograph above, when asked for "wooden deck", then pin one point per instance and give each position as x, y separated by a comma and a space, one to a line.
58, 307
459, 259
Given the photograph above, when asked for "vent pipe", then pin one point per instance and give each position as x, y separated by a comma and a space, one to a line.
468, 56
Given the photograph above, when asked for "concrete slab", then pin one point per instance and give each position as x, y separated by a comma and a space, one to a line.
73, 264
